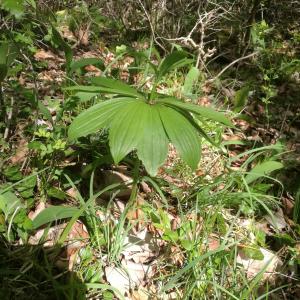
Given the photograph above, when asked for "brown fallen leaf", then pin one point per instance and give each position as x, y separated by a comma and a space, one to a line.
42, 54
92, 69
21, 153
204, 101
41, 206
76, 239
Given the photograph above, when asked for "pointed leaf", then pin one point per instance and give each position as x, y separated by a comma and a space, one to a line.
200, 110
96, 117
84, 88
182, 135
153, 147
263, 169
127, 129
115, 86
53, 213
174, 60
83, 62
190, 79
241, 97
85, 96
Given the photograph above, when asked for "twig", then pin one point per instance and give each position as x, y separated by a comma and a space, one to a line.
151, 26
232, 63
9, 117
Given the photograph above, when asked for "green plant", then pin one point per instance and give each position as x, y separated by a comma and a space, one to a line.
145, 121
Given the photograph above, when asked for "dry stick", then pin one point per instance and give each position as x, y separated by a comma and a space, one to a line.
151, 26
9, 117
231, 64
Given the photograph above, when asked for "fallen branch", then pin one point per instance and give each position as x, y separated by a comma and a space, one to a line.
231, 64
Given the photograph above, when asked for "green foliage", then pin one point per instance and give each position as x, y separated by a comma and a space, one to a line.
15, 7
145, 122
53, 214
8, 53
190, 80
263, 169
78, 64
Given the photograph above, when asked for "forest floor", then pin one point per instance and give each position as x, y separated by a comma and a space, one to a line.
228, 230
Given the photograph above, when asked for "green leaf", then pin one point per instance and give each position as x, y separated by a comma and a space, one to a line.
240, 98
187, 244
15, 7
53, 213
253, 252
127, 128
13, 173
199, 110
85, 96
96, 117
9, 202
190, 79
174, 60
8, 53
114, 86
26, 187
84, 88
263, 169
45, 111
54, 192
153, 147
170, 235
86, 62
182, 135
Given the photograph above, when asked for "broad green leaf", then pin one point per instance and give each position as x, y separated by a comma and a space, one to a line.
15, 7
13, 173
174, 60
142, 57
85, 96
9, 202
253, 252
240, 98
153, 147
200, 110
84, 88
187, 244
262, 170
96, 117
56, 193
182, 135
53, 213
190, 79
192, 121
83, 62
26, 188
115, 87
127, 129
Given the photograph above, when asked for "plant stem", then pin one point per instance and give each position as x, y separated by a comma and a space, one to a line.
136, 174
2, 105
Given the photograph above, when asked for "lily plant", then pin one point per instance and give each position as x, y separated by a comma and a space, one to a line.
146, 121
